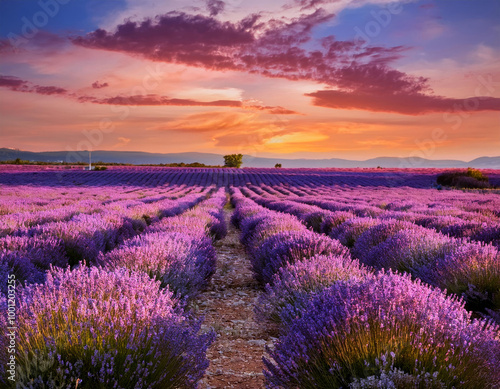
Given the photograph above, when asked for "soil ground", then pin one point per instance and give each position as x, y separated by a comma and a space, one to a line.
228, 306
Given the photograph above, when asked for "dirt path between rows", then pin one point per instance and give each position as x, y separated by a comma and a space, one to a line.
236, 356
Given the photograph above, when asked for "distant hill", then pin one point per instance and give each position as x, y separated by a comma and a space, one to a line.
140, 157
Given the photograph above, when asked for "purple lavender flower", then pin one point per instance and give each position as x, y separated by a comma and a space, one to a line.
376, 235
333, 220
353, 330
315, 219
288, 247
270, 225
21, 266
183, 262
349, 231
471, 270
109, 329
43, 252
300, 281
407, 250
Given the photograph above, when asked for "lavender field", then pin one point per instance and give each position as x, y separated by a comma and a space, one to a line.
359, 278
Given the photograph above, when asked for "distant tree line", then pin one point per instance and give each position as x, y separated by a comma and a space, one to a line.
180, 164
230, 160
19, 161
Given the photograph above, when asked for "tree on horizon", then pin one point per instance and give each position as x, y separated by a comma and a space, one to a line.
233, 160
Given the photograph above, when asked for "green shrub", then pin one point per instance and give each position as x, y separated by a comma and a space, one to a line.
470, 183
233, 160
469, 179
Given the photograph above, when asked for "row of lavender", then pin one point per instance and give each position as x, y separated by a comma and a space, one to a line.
470, 269
22, 206
27, 251
472, 216
462, 215
343, 325
124, 323
153, 177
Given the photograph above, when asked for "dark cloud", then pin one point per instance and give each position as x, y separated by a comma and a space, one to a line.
307, 4
19, 85
12, 83
177, 37
154, 100
273, 49
49, 90
99, 85
215, 7
361, 76
157, 100
403, 103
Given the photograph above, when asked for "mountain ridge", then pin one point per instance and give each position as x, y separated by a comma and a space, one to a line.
142, 157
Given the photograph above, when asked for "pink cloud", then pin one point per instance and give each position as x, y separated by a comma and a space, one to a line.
12, 83
307, 4
19, 85
403, 103
176, 37
6, 46
49, 90
272, 49
361, 75
155, 100
275, 110
99, 85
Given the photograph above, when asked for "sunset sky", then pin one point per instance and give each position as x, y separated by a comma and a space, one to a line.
291, 78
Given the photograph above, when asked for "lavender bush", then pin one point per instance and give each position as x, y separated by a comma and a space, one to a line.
300, 281
385, 328
43, 252
407, 250
316, 219
28, 258
21, 266
85, 236
106, 329
241, 212
268, 226
471, 270
376, 235
348, 232
182, 262
334, 220
288, 247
